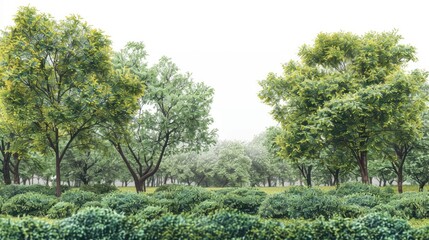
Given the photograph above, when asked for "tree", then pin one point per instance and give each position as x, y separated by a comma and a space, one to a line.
342, 92
58, 80
173, 116
232, 166
418, 166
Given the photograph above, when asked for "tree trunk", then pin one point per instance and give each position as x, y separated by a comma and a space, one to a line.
58, 175
6, 169
308, 177
421, 186
16, 177
363, 166
400, 179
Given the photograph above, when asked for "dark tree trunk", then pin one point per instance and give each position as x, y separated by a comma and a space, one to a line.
6, 169
16, 177
363, 166
421, 186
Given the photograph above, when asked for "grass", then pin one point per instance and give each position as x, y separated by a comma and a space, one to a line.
273, 190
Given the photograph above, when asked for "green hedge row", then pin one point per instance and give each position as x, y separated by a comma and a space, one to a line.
100, 223
349, 200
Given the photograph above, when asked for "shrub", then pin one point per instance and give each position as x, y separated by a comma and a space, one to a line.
364, 200
93, 223
92, 204
78, 197
33, 204
180, 199
411, 205
246, 200
207, 207
8, 191
229, 225
352, 211
30, 228
99, 188
169, 227
27, 228
275, 206
350, 188
312, 204
168, 188
62, 210
126, 202
380, 226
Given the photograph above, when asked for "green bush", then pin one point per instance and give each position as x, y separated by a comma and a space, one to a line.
168, 188
169, 227
99, 188
410, 205
361, 199
93, 223
275, 206
62, 210
27, 228
92, 204
350, 188
380, 226
32, 204
126, 202
312, 204
78, 197
246, 200
180, 199
230, 225
207, 207
8, 191
352, 210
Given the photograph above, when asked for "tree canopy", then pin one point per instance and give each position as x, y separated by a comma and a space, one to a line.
345, 90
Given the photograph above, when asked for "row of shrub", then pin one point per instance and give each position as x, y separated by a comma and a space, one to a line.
101, 223
349, 200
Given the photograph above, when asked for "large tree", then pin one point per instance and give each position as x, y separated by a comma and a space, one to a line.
173, 116
57, 78
343, 92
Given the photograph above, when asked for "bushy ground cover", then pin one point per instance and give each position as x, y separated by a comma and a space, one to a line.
352, 211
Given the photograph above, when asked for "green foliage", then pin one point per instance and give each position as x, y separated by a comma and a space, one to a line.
304, 203
246, 200
27, 228
180, 199
62, 210
8, 191
126, 202
78, 197
93, 223
207, 207
275, 206
350, 188
170, 227
411, 205
313, 204
33, 204
99, 188
92, 204
361, 199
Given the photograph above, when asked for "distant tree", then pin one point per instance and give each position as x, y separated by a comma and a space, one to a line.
343, 92
232, 166
57, 79
173, 116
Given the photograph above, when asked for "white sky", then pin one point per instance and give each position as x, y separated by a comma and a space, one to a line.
232, 44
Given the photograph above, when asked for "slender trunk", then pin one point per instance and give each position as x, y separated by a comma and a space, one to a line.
16, 177
58, 175
308, 177
421, 186
400, 180
363, 166
6, 169
269, 181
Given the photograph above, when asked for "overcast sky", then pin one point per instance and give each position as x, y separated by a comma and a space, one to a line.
231, 45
